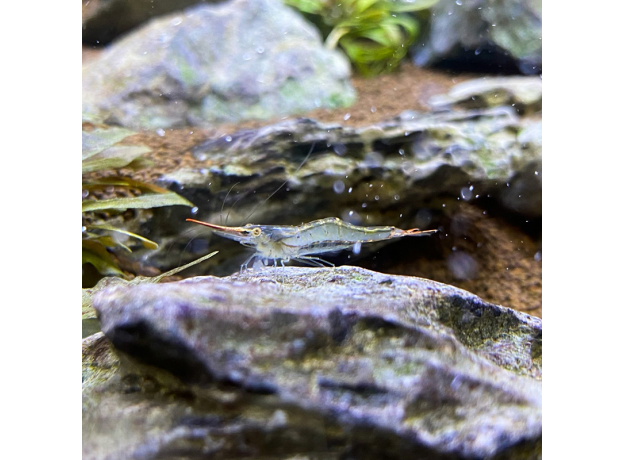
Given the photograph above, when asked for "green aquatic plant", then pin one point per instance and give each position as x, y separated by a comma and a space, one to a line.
100, 152
375, 34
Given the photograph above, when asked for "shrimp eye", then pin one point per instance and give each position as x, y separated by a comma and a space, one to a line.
256, 231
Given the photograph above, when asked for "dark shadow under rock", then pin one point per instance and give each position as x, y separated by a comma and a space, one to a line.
324, 363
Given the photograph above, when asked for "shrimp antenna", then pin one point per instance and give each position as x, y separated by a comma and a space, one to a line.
284, 183
223, 205
232, 207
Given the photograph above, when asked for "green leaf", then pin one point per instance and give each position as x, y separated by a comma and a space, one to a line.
98, 140
104, 182
96, 254
374, 38
360, 6
406, 22
114, 158
378, 49
140, 163
107, 241
334, 37
139, 202
415, 5
147, 243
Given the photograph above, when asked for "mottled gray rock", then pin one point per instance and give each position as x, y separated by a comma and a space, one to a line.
214, 63
104, 20
494, 34
318, 363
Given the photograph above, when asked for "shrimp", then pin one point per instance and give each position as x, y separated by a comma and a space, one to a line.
288, 242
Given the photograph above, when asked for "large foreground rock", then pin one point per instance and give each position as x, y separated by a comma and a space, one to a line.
489, 34
214, 63
315, 363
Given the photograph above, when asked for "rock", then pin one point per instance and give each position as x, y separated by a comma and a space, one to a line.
215, 63
522, 193
104, 20
383, 174
522, 93
285, 362
489, 34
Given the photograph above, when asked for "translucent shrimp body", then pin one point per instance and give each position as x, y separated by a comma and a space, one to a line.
300, 242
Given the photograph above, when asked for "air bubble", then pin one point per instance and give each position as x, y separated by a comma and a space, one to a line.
357, 247
160, 132
346, 117
339, 186
350, 189
228, 138
466, 193
462, 265
194, 210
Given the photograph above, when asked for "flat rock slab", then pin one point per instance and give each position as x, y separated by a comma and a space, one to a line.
392, 366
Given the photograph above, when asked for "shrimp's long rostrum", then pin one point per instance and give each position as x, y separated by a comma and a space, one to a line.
288, 242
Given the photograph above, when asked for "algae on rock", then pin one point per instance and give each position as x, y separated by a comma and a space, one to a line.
317, 362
